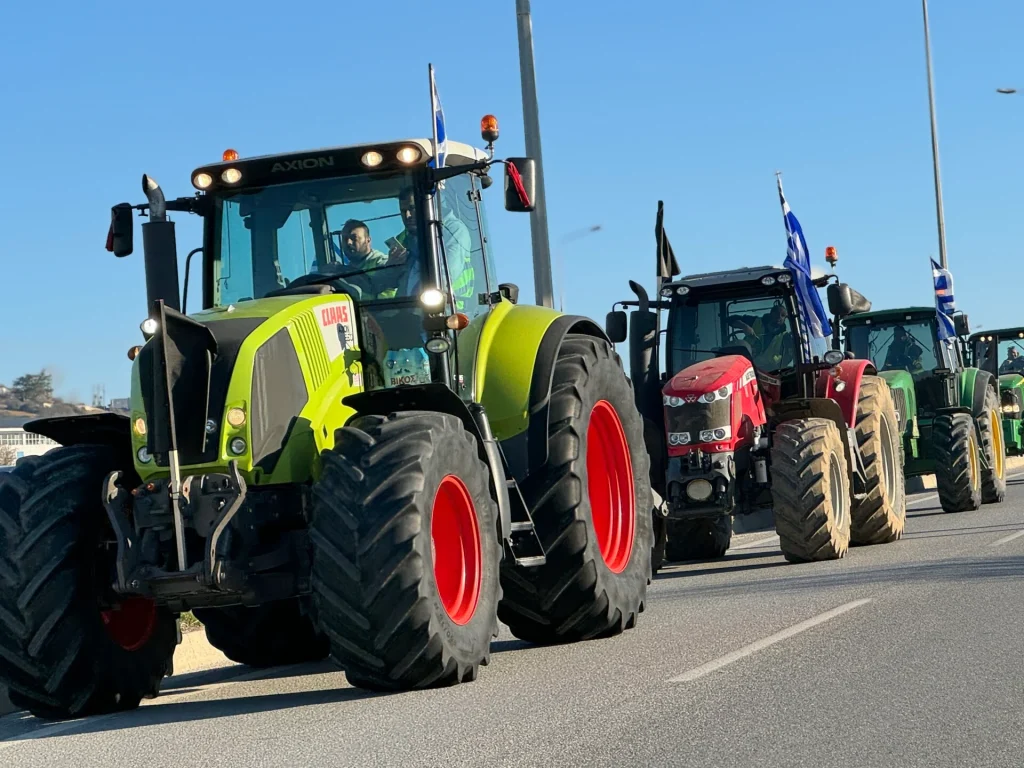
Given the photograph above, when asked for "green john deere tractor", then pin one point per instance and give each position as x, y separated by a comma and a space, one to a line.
1001, 353
949, 412
373, 456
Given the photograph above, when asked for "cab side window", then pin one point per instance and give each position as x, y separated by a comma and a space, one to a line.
462, 235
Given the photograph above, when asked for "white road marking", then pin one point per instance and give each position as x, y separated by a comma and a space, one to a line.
759, 543
729, 658
1009, 538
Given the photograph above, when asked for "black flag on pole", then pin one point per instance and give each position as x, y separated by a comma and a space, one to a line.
668, 267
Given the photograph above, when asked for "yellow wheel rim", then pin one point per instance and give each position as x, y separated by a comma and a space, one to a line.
975, 473
998, 445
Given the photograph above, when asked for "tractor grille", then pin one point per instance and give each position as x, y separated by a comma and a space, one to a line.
697, 417
899, 397
313, 348
1010, 397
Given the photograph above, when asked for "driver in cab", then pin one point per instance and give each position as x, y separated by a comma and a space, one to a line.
766, 335
903, 353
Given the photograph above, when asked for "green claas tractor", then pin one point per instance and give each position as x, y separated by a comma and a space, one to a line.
359, 446
949, 412
1001, 353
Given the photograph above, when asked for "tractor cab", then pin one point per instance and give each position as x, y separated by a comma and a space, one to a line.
904, 346
1001, 353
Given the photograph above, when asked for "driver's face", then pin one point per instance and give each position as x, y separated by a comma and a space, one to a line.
356, 242
407, 206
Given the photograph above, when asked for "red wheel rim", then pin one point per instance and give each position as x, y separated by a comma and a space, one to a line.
456, 551
610, 486
131, 623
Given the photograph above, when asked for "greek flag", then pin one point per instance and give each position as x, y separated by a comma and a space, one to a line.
440, 135
813, 317
944, 303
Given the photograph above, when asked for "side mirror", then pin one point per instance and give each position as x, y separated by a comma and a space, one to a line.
520, 184
120, 236
509, 291
961, 326
843, 300
615, 326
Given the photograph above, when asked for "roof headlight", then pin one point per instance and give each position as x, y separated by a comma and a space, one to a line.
408, 155
767, 280
202, 181
231, 176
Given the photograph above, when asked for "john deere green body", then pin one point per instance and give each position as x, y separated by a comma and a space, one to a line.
921, 395
282, 363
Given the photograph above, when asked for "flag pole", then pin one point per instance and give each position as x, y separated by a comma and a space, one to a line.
433, 109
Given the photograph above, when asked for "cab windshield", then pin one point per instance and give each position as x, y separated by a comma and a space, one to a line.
703, 327
908, 346
361, 229
1009, 354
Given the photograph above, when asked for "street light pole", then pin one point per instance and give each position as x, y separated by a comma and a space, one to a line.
531, 124
940, 218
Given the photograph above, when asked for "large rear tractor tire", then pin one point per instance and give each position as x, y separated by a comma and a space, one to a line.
68, 646
958, 462
810, 490
990, 425
880, 516
591, 505
267, 635
703, 539
406, 552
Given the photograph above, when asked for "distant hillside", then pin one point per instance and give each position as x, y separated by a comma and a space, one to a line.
31, 397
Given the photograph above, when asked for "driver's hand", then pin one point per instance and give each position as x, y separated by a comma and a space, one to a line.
397, 255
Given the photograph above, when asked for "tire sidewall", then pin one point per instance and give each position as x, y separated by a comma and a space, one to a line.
607, 382
455, 455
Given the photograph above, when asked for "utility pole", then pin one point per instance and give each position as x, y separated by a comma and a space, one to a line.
935, 141
531, 123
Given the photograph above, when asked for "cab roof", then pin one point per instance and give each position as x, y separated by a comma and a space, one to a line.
897, 315
741, 275
310, 164
1001, 332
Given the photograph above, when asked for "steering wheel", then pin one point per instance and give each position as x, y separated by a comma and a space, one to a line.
339, 284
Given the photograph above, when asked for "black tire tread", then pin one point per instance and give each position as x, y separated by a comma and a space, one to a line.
269, 635
993, 486
804, 518
55, 655
880, 517
371, 576
574, 596
952, 436
703, 539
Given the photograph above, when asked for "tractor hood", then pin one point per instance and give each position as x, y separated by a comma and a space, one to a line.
712, 406
248, 383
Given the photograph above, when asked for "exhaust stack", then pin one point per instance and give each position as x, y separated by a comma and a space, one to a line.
161, 250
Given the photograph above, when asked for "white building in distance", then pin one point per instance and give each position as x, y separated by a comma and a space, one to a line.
24, 443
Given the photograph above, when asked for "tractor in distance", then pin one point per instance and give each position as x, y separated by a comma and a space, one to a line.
1001, 353
949, 411
736, 423
343, 452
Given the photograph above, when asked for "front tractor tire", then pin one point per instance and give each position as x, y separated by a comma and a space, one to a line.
266, 635
990, 427
406, 552
591, 506
702, 539
958, 462
879, 517
68, 646
810, 490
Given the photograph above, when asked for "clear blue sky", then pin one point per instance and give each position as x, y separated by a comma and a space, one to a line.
693, 103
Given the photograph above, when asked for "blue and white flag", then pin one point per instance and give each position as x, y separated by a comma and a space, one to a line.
813, 317
944, 303
440, 134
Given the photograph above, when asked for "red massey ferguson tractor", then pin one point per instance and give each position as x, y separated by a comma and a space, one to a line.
753, 413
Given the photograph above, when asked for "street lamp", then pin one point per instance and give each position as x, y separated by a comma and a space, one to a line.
571, 237
935, 140
531, 125
1006, 90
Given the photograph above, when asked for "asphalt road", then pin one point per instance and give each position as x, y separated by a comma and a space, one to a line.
907, 654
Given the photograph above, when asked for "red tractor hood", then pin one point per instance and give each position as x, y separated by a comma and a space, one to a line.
708, 375
713, 405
